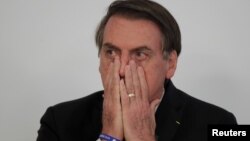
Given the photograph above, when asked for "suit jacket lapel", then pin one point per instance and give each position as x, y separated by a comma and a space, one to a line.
168, 115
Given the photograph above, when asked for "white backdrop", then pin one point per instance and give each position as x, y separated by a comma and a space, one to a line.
48, 55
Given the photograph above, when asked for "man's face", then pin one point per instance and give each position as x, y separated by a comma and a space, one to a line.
139, 40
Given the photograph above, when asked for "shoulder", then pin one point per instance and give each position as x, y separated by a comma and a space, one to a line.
208, 112
93, 100
76, 110
76, 118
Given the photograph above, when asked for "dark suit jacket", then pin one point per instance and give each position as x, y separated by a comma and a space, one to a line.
179, 117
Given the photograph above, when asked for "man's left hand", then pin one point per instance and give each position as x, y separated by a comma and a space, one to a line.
137, 112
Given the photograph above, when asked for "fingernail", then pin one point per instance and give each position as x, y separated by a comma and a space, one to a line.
127, 67
131, 62
116, 58
139, 68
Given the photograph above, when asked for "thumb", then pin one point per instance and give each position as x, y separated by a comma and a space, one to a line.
154, 104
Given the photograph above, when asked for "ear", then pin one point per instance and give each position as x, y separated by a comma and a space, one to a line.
171, 64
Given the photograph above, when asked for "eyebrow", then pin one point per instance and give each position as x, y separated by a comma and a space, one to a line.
142, 48
139, 48
110, 46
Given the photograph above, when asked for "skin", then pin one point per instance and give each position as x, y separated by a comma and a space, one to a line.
131, 61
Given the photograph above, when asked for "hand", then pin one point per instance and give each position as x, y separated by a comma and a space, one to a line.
112, 112
137, 112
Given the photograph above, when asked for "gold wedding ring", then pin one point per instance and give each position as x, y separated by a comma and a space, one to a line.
131, 95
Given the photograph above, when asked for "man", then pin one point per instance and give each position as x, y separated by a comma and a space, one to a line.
139, 43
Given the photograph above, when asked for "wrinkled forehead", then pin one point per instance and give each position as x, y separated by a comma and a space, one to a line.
121, 31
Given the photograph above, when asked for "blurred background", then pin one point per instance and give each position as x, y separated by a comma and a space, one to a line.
48, 55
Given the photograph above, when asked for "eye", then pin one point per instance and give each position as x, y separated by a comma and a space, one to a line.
139, 55
110, 53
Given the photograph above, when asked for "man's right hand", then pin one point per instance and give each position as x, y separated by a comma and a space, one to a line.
112, 111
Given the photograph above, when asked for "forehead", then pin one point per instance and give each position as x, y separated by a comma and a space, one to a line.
130, 33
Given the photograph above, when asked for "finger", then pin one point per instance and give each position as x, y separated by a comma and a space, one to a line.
135, 78
128, 80
116, 80
154, 104
108, 96
143, 82
124, 96
107, 79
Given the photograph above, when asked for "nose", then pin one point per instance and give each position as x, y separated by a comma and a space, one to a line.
124, 61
